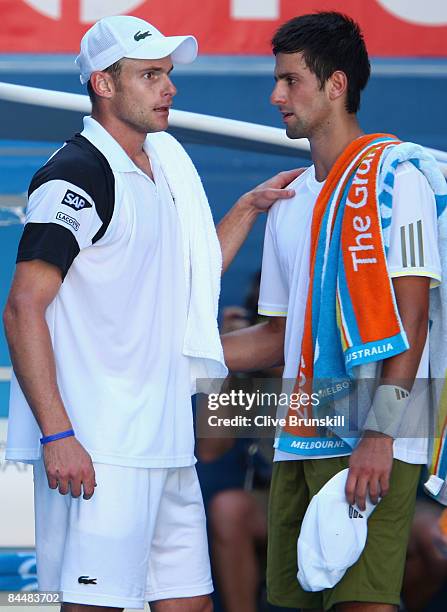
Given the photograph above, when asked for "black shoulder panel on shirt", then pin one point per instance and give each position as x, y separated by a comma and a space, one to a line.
50, 242
81, 163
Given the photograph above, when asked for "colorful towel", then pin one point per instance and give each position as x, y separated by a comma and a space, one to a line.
345, 324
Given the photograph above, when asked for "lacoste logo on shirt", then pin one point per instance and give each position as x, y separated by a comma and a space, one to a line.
141, 35
86, 580
353, 513
68, 220
75, 201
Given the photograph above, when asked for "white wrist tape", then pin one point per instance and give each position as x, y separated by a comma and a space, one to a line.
387, 410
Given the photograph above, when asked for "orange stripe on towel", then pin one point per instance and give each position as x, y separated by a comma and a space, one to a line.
363, 254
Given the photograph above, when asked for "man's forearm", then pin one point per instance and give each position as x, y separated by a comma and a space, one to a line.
33, 361
234, 228
255, 348
398, 373
392, 396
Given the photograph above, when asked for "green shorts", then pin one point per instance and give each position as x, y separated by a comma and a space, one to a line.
377, 576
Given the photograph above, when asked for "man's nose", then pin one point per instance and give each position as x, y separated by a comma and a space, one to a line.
277, 96
170, 88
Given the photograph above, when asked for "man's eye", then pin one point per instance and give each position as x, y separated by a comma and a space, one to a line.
148, 75
291, 81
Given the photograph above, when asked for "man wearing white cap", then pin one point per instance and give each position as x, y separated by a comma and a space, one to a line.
111, 317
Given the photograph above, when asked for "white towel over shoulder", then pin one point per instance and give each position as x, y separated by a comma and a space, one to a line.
202, 259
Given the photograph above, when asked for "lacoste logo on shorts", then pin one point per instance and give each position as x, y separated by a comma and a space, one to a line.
353, 513
68, 220
141, 35
75, 201
86, 580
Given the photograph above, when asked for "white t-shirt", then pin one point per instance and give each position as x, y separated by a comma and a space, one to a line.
118, 322
285, 271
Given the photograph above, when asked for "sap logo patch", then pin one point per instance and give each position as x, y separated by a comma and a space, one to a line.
75, 201
68, 220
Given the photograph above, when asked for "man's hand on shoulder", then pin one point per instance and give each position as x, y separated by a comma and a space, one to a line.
234, 227
369, 469
264, 195
69, 467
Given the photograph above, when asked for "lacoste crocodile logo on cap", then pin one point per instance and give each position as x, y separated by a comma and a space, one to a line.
141, 35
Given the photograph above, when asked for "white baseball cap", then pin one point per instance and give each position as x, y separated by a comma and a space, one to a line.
114, 38
332, 537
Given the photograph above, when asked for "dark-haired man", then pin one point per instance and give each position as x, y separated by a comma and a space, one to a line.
321, 69
112, 310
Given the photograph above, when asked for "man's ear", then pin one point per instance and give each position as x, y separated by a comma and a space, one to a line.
102, 84
337, 85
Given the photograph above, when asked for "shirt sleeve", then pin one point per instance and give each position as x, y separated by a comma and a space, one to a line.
273, 292
61, 219
413, 234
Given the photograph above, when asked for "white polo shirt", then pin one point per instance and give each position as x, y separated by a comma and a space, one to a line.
118, 322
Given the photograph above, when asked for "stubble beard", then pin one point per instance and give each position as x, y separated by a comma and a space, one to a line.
140, 119
144, 123
296, 130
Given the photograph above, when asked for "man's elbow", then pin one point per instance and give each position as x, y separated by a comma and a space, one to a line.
9, 317
277, 328
19, 309
412, 297
416, 320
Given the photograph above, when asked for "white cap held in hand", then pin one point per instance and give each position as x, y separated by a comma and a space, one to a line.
332, 537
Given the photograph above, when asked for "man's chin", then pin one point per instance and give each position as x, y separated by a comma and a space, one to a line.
293, 133
154, 127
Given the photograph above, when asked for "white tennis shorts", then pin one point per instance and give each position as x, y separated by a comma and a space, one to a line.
141, 537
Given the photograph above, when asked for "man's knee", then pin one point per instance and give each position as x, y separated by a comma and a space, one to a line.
207, 606
229, 513
201, 604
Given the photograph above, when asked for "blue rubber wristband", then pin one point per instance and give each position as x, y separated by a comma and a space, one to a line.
58, 436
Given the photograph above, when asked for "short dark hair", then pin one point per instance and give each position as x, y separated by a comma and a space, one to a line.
114, 70
329, 41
